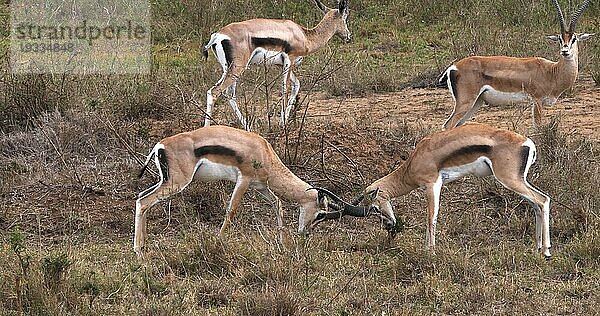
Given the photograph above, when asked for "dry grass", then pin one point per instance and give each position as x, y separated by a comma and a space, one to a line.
70, 149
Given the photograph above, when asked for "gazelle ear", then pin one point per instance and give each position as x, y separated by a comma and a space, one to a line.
322, 200
554, 38
584, 36
373, 193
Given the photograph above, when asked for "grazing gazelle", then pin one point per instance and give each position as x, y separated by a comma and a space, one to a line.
275, 42
225, 153
472, 149
501, 80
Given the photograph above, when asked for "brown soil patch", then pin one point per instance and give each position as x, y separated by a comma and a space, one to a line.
578, 110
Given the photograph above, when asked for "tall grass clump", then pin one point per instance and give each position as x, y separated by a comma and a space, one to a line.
71, 148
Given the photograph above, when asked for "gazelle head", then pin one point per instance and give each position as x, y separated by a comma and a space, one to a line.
339, 18
369, 203
568, 38
315, 211
374, 202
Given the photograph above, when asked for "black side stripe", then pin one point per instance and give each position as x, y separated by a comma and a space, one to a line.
164, 164
468, 150
272, 41
228, 50
524, 159
218, 150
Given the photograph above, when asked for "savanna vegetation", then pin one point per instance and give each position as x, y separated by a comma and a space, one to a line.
71, 148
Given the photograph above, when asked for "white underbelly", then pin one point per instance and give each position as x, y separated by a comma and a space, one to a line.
269, 57
495, 97
212, 171
479, 167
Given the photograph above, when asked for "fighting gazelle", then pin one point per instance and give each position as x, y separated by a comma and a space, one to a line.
501, 80
275, 42
224, 153
471, 149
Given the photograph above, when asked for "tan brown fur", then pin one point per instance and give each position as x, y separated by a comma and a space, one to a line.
301, 41
257, 166
535, 80
440, 154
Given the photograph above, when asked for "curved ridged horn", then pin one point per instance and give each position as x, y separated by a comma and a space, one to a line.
561, 17
577, 15
355, 211
348, 209
358, 199
321, 6
343, 5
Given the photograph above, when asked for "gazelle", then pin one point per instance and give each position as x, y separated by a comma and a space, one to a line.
472, 149
276, 42
224, 153
501, 80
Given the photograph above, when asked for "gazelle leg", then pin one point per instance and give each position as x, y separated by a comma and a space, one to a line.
230, 77
536, 113
233, 103
433, 206
271, 197
293, 94
210, 97
542, 207
241, 187
464, 108
542, 213
161, 191
287, 70
471, 111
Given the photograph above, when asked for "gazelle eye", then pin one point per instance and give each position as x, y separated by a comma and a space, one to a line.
320, 216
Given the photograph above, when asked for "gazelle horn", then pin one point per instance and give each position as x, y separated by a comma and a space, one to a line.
561, 17
577, 15
348, 209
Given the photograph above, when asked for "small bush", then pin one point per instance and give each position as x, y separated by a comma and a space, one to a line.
54, 268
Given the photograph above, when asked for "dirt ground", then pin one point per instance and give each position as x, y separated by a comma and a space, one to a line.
578, 109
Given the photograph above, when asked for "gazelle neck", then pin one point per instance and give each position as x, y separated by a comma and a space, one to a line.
290, 187
319, 35
568, 66
395, 184
564, 71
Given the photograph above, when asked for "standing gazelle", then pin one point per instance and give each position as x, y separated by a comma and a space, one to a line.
275, 42
224, 153
501, 80
472, 149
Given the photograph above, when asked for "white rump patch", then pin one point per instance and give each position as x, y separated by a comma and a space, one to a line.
479, 167
449, 82
531, 158
217, 38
